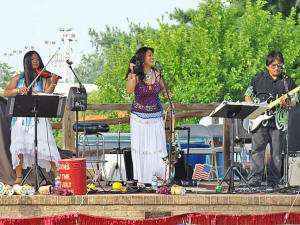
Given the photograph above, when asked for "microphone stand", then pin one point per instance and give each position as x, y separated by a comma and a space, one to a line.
171, 130
81, 89
70, 66
286, 154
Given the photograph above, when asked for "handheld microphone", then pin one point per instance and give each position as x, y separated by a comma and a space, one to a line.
137, 65
69, 62
158, 66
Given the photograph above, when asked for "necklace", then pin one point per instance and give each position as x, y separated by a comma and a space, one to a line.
148, 75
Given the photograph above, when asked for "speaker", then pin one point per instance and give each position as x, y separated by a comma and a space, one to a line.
115, 168
294, 128
77, 99
294, 171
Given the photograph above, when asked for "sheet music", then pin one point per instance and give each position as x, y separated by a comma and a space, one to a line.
47, 94
255, 109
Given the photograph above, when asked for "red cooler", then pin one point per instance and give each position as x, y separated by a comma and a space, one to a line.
72, 174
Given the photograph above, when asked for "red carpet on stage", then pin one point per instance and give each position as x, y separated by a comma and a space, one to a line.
192, 218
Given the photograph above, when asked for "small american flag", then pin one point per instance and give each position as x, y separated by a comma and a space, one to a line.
201, 172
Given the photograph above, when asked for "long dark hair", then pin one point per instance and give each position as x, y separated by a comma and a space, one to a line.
138, 60
28, 70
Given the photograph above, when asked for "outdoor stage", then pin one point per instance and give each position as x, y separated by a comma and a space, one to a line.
147, 205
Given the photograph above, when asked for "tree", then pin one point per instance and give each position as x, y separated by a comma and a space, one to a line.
6, 74
274, 6
92, 65
212, 57
181, 16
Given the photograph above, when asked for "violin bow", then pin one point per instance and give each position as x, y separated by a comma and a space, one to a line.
42, 70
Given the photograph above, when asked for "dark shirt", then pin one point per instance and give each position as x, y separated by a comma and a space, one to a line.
264, 88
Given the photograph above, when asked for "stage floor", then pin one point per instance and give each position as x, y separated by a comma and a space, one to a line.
141, 205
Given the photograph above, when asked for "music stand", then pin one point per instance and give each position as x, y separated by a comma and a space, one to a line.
41, 105
237, 110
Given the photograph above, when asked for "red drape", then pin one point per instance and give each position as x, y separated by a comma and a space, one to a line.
191, 218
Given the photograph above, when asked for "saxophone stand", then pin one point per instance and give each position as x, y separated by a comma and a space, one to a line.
50, 106
233, 111
171, 125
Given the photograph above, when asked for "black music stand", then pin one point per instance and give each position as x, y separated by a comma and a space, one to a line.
50, 106
236, 110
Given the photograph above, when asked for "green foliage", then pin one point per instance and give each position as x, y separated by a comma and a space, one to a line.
273, 6
209, 56
5, 75
212, 58
57, 133
182, 17
91, 66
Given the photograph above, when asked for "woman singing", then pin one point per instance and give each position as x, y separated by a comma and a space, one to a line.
148, 142
22, 128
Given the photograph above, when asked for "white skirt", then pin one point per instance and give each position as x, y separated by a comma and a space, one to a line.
22, 142
148, 147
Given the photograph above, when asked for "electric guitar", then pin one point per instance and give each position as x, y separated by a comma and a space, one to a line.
252, 124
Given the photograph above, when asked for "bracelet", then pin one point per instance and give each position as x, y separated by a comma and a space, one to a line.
52, 84
18, 90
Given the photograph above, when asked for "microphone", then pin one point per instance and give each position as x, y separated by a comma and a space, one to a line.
137, 65
158, 66
69, 62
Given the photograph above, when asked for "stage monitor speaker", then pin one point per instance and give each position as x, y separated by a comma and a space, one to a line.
112, 172
77, 99
294, 171
294, 129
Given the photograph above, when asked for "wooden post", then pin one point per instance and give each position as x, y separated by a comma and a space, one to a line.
226, 144
68, 133
215, 120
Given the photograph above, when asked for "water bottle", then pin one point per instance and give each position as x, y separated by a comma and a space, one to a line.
57, 181
154, 183
219, 189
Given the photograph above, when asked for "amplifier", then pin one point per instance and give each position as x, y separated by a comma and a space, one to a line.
91, 127
294, 170
77, 99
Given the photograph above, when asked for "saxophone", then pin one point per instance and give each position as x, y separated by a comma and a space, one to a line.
170, 138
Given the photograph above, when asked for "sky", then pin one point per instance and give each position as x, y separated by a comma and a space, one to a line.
32, 22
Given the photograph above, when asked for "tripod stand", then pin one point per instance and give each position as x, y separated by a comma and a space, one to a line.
116, 171
233, 111
36, 106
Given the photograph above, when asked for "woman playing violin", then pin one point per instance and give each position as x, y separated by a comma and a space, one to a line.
22, 128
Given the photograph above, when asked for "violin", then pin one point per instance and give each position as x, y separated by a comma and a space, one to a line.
46, 73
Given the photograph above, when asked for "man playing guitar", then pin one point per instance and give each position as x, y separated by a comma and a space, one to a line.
268, 86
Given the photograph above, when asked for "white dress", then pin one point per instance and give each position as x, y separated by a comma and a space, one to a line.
22, 142
148, 148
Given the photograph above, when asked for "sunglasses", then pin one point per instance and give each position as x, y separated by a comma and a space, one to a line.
279, 65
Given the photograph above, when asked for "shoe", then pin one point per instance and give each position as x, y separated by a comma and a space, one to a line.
273, 185
18, 180
255, 183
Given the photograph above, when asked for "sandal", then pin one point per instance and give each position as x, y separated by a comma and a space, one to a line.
18, 180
